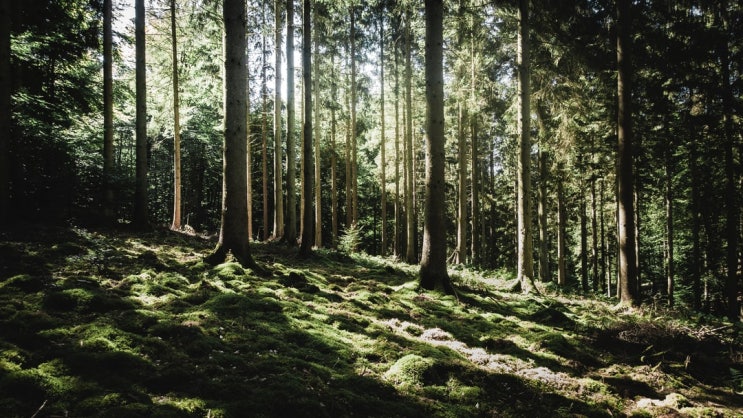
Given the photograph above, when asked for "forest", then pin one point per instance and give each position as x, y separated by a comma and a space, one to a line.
375, 208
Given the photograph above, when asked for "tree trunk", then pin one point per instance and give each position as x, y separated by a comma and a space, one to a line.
525, 267
583, 242
433, 272
594, 238
290, 230
305, 249
410, 254
176, 224
398, 207
382, 142
604, 273
696, 257
477, 232
333, 157
108, 116
140, 191
461, 252
562, 278
347, 155
354, 141
731, 192
670, 280
278, 219
264, 126
318, 183
544, 274
233, 235
625, 177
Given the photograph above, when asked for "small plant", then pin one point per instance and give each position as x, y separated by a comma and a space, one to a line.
350, 240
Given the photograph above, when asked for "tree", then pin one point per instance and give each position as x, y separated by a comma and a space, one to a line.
305, 249
317, 167
5, 111
176, 224
625, 177
410, 255
108, 113
140, 191
290, 231
433, 272
382, 143
233, 233
525, 267
278, 194
264, 123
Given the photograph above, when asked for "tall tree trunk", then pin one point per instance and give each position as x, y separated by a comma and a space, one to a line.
583, 242
140, 191
461, 252
670, 279
606, 275
108, 115
333, 157
318, 183
290, 230
233, 234
562, 277
525, 267
410, 254
354, 139
305, 249
696, 256
433, 272
264, 125
383, 144
477, 226
398, 207
278, 219
544, 274
594, 237
731, 193
625, 177
176, 224
347, 152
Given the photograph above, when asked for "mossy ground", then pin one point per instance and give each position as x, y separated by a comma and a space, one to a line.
107, 323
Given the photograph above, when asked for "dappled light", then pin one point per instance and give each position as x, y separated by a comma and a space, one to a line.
158, 332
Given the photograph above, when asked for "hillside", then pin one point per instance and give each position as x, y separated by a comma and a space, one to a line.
109, 323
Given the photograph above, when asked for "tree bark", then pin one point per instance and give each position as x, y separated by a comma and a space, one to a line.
398, 206
305, 249
562, 278
354, 139
108, 115
544, 274
670, 271
433, 272
625, 176
278, 219
461, 251
318, 183
594, 238
176, 224
264, 126
140, 191
731, 192
290, 229
333, 157
525, 266
696, 256
583, 242
382, 142
410, 254
233, 234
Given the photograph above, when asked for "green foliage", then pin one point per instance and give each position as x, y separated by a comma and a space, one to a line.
350, 240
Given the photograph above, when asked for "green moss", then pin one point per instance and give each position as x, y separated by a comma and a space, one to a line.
409, 371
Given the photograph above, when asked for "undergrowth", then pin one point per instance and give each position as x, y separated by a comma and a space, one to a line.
107, 323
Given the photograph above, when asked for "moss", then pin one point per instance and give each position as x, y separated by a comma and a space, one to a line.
25, 283
409, 371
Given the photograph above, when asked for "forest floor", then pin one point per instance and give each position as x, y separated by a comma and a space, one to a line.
111, 323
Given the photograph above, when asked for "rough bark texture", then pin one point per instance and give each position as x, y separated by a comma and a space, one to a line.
264, 128
176, 224
233, 234
433, 272
140, 190
108, 113
562, 277
290, 230
410, 255
625, 176
278, 188
382, 143
525, 265
305, 248
461, 251
544, 274
398, 204
354, 141
318, 183
333, 158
